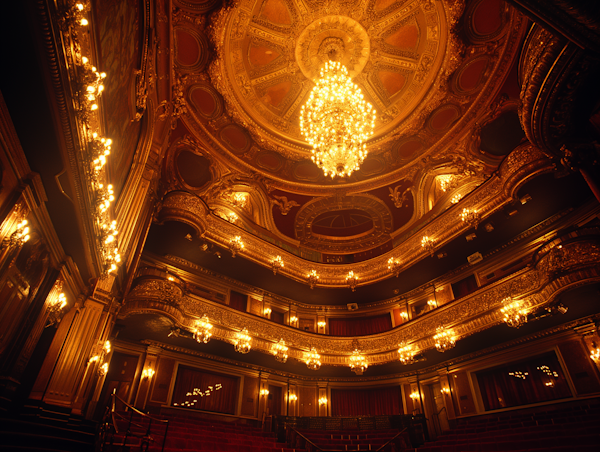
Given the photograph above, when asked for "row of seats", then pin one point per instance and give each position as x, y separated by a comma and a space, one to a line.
568, 428
193, 434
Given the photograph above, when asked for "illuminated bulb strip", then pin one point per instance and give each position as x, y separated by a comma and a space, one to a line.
90, 88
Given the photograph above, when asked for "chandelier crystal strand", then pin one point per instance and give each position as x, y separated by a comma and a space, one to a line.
337, 121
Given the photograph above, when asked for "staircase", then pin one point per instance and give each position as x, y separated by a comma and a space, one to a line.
44, 429
567, 428
188, 434
344, 440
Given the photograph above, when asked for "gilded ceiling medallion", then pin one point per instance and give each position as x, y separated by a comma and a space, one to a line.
340, 35
269, 54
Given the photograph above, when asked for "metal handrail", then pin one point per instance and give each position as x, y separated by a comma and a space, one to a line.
144, 438
392, 439
307, 440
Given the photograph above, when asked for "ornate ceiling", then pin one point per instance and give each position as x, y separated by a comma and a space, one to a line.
431, 69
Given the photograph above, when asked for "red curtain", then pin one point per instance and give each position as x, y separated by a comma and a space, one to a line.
361, 326
366, 402
219, 392
238, 301
464, 287
534, 380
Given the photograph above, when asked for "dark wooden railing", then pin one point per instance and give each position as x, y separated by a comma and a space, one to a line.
122, 425
286, 426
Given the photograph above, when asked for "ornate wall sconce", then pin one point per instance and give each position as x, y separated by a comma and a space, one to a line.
415, 396
55, 308
444, 339
514, 315
595, 355
429, 244
148, 373
103, 368
280, 350
267, 312
313, 278
394, 266
406, 354
471, 217
321, 324
322, 401
445, 390
18, 238
358, 363
277, 264
293, 398
264, 392
243, 342
432, 304
313, 359
352, 280
293, 320
202, 332
404, 315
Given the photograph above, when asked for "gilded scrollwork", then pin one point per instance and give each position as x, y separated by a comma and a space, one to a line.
466, 316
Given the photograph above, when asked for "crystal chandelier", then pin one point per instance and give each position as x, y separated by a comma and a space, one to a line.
242, 342
514, 315
202, 332
471, 217
313, 359
280, 351
358, 363
352, 280
406, 354
313, 278
336, 121
277, 264
394, 266
428, 243
236, 245
444, 340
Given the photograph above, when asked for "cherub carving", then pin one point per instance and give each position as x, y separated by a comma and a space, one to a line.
284, 205
399, 199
